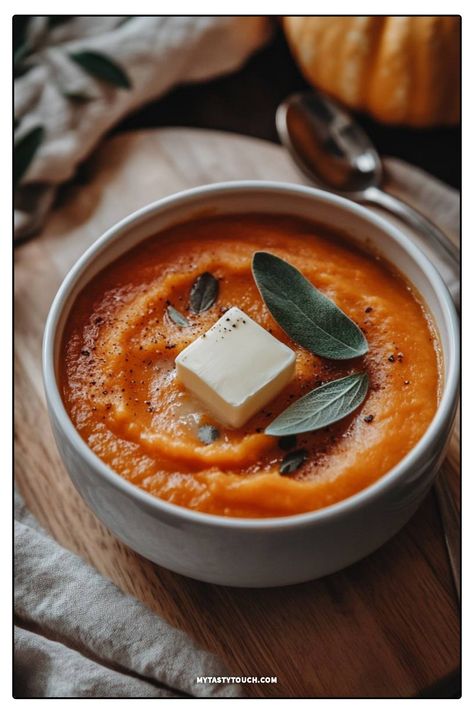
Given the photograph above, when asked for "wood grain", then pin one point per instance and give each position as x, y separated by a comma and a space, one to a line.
387, 626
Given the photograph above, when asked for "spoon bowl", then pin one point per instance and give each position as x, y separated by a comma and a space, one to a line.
336, 153
327, 144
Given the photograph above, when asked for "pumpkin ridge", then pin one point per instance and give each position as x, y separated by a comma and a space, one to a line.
399, 69
374, 54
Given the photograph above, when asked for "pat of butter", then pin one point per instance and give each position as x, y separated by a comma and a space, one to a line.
235, 368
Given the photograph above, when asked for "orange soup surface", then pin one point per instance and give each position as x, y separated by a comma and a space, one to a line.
119, 385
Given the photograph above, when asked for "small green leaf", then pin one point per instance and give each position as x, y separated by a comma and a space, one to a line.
100, 66
304, 313
24, 152
125, 20
20, 54
21, 25
322, 406
208, 434
293, 461
176, 316
203, 293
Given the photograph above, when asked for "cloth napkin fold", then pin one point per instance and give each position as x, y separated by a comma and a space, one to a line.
78, 635
75, 109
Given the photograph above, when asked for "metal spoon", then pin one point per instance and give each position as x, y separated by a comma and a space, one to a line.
333, 150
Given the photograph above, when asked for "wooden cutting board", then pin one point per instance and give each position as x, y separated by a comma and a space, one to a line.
386, 626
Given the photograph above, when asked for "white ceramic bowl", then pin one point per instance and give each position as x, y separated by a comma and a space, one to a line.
256, 552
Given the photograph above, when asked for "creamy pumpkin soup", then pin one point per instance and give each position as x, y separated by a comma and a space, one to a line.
184, 364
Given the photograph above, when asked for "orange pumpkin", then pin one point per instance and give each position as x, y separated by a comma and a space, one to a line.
401, 70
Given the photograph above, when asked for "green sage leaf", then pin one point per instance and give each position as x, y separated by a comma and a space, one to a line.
293, 461
322, 406
208, 434
203, 293
21, 45
24, 152
176, 316
100, 66
125, 20
20, 54
304, 313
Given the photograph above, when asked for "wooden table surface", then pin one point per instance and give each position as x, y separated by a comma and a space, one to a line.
386, 626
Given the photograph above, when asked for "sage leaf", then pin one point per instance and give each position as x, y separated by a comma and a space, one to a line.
304, 313
208, 434
176, 316
21, 44
24, 152
20, 53
125, 20
322, 406
100, 66
293, 461
203, 293
21, 25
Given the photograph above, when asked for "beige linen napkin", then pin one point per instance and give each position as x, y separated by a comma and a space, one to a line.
155, 52
78, 635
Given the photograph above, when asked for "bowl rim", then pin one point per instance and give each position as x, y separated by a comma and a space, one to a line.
443, 415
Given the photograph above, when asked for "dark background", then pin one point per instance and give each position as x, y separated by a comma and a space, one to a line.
245, 102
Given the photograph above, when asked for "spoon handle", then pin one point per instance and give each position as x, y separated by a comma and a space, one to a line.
446, 250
